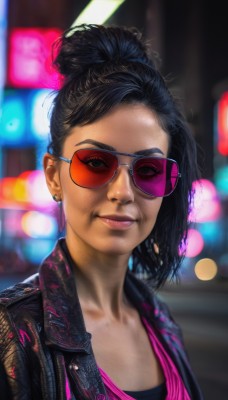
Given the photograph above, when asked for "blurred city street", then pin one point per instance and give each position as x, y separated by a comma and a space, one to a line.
202, 312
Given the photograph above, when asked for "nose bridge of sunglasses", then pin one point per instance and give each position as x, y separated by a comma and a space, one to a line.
122, 163
126, 160
127, 168
123, 179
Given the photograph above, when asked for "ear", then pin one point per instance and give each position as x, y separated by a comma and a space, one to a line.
51, 171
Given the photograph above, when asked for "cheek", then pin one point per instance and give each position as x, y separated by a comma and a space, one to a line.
74, 202
78, 203
151, 212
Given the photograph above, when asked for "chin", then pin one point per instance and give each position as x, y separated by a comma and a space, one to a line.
116, 250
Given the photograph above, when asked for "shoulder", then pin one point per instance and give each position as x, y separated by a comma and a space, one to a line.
20, 312
19, 303
21, 337
20, 291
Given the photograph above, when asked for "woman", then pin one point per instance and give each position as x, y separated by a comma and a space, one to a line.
121, 161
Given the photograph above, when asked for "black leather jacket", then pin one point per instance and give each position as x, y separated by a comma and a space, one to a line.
45, 351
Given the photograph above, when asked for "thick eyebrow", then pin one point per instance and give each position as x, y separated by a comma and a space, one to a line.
97, 144
104, 146
149, 152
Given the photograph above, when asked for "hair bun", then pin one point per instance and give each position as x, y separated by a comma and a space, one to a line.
91, 45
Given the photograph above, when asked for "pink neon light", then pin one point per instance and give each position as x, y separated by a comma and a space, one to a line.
206, 204
30, 58
223, 125
195, 243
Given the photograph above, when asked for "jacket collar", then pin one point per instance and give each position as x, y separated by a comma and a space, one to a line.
61, 304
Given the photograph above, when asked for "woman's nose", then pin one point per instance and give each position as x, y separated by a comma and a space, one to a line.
120, 188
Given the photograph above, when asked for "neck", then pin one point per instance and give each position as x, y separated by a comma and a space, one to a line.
100, 280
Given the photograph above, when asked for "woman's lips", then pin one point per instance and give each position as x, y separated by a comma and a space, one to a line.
116, 221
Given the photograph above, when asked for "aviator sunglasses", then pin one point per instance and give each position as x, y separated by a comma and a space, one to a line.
92, 168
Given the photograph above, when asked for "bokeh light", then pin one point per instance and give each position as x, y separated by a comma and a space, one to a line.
38, 225
222, 124
41, 103
30, 62
194, 243
36, 250
13, 121
29, 189
206, 269
3, 33
38, 193
206, 204
221, 180
212, 233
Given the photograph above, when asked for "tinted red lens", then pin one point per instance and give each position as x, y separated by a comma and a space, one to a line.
92, 168
155, 176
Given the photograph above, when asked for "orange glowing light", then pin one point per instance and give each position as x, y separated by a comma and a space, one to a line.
26, 191
20, 192
206, 269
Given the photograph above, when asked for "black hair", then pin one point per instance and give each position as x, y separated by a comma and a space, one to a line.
103, 67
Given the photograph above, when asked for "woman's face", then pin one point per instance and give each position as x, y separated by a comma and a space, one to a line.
115, 218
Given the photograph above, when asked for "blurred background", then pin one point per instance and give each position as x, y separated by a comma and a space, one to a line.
190, 39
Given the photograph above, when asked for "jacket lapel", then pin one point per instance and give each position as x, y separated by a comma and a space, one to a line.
63, 321
64, 326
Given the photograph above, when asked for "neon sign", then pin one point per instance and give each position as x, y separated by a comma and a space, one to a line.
222, 124
30, 58
25, 117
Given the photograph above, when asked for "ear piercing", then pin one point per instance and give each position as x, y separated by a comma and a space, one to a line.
56, 198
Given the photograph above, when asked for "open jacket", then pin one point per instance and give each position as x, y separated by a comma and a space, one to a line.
45, 351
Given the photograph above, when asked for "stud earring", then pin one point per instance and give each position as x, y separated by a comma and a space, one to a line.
60, 214
56, 198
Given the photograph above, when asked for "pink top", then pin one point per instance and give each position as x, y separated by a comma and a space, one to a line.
174, 384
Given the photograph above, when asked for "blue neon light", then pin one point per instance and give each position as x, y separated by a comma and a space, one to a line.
41, 104
13, 121
25, 117
3, 28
